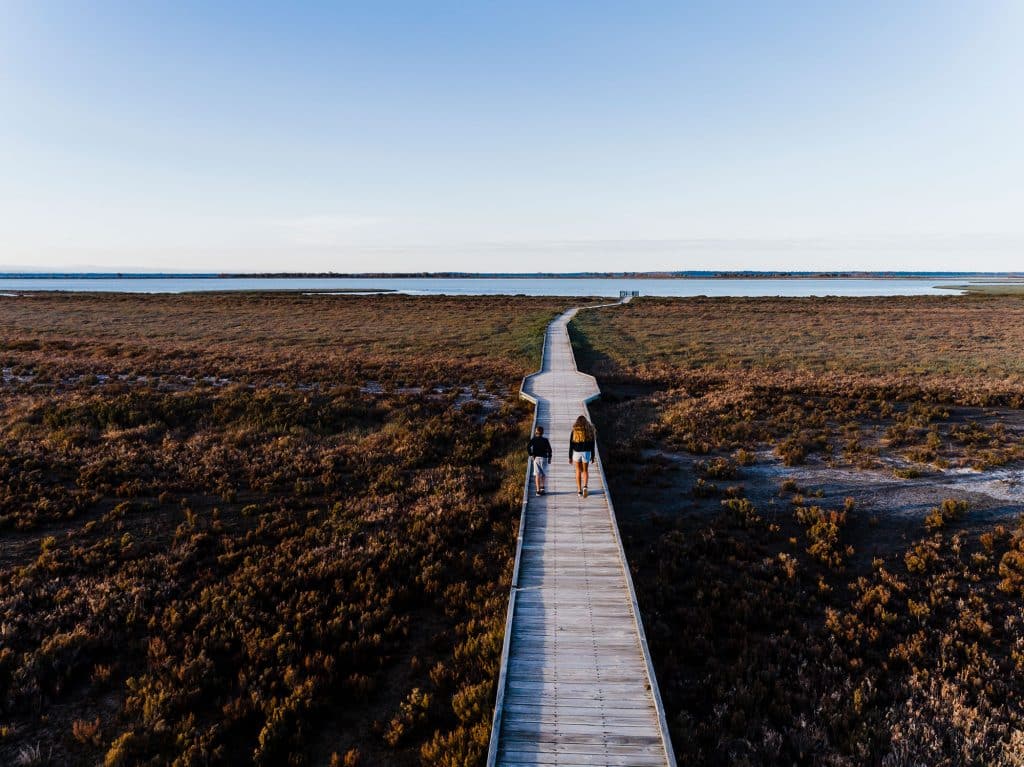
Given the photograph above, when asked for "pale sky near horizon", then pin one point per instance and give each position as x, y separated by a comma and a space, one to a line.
512, 136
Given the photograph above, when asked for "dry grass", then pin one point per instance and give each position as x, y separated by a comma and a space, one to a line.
287, 568
774, 643
998, 289
906, 337
268, 337
837, 378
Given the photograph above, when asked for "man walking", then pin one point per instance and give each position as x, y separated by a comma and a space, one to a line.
539, 450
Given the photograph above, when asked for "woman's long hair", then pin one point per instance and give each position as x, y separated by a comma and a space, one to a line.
586, 426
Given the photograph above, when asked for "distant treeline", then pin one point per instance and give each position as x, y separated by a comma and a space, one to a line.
680, 275
724, 275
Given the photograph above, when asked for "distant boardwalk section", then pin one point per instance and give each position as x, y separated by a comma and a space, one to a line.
576, 684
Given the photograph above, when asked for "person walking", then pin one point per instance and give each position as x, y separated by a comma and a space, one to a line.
539, 450
581, 452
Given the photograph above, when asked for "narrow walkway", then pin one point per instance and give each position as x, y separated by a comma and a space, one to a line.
576, 684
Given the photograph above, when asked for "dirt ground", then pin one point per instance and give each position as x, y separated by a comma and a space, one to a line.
888, 511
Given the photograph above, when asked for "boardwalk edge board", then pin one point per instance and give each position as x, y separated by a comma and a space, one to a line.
509, 697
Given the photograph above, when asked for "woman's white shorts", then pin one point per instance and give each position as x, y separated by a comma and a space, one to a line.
539, 466
578, 457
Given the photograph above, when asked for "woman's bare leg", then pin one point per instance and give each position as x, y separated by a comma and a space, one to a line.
585, 471
580, 468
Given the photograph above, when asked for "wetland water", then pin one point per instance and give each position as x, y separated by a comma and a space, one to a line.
531, 286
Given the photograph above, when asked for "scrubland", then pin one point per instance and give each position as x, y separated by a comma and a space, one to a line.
790, 623
257, 529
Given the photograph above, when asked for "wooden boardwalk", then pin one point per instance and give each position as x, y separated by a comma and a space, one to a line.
576, 684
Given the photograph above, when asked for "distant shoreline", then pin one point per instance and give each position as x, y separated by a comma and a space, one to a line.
683, 275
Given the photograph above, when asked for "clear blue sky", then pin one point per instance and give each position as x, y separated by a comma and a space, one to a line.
512, 136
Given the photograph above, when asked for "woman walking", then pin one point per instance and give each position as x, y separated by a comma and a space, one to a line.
539, 450
581, 452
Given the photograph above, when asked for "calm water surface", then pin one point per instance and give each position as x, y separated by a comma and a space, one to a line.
503, 286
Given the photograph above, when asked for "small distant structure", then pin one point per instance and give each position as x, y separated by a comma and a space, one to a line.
624, 294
